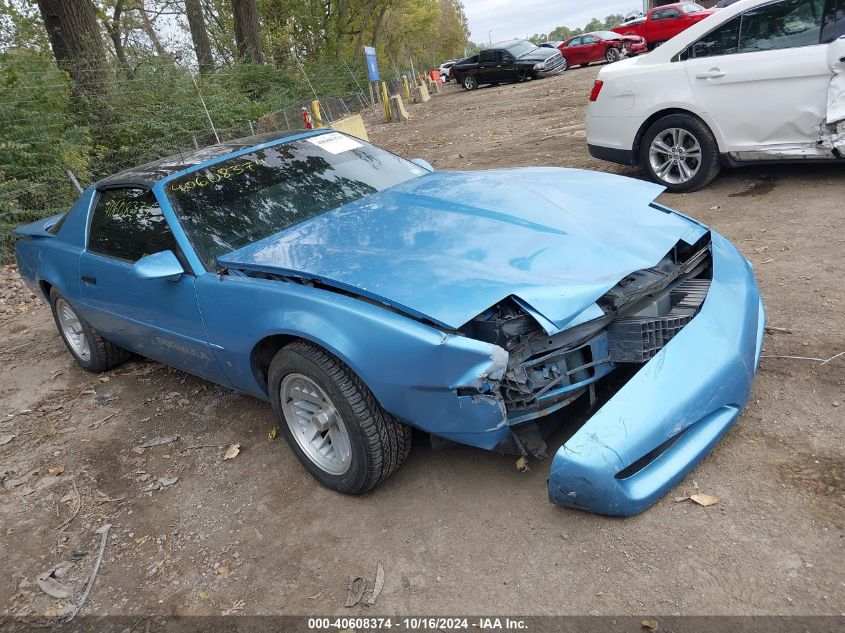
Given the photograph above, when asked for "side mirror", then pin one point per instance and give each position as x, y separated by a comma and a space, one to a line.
163, 265
422, 163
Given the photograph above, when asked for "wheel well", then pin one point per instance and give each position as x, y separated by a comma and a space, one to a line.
264, 352
46, 287
659, 115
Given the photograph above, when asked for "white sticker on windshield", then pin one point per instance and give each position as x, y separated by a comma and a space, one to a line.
334, 143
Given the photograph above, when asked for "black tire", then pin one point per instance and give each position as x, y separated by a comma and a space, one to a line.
612, 55
379, 442
103, 354
470, 82
709, 166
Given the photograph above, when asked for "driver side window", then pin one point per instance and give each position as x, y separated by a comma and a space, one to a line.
786, 24
128, 224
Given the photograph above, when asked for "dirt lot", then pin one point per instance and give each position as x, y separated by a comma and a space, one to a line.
458, 530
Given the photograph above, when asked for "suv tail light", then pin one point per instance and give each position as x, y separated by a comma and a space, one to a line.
594, 95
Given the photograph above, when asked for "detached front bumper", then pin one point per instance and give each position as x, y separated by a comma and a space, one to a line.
656, 428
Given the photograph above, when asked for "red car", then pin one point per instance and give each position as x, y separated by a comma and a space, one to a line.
665, 22
600, 46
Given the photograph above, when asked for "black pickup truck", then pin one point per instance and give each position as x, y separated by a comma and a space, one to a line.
514, 60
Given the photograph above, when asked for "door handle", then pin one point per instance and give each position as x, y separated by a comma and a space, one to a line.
89, 280
715, 73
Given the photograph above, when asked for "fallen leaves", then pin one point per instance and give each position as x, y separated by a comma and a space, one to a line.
522, 465
52, 587
703, 499
649, 625
55, 471
232, 451
222, 570
160, 483
237, 606
158, 441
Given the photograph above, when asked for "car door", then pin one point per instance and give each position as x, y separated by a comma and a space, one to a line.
509, 69
488, 66
665, 24
763, 77
591, 49
157, 318
573, 51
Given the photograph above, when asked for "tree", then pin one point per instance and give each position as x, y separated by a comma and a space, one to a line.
247, 33
75, 39
199, 35
147, 26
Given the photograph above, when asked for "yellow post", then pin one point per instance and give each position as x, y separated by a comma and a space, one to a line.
385, 101
315, 113
407, 87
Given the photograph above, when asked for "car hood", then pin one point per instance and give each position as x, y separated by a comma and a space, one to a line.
539, 55
448, 245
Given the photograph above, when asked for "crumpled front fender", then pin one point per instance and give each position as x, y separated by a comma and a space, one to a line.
673, 411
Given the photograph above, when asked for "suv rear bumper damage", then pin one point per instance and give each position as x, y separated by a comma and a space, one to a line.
666, 418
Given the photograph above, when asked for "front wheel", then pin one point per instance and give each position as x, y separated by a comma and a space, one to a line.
612, 55
470, 82
679, 152
332, 422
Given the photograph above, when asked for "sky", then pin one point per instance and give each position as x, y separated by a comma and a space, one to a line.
521, 18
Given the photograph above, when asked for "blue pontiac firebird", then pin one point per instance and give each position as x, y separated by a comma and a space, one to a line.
363, 295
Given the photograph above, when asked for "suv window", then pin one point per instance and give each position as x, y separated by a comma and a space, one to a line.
128, 224
785, 24
487, 57
722, 41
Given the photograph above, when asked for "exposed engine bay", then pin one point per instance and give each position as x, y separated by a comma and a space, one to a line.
642, 313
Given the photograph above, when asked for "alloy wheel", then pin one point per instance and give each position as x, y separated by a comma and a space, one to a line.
72, 330
315, 424
675, 156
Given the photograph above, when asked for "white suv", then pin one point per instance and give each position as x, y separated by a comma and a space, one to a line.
761, 80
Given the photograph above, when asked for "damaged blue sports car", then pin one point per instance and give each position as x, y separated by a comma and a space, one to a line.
364, 295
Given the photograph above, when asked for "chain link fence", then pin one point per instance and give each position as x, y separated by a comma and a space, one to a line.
48, 132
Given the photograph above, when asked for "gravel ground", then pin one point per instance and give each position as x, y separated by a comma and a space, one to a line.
457, 530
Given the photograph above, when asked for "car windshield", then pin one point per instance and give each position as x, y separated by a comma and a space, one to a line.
520, 49
607, 35
239, 201
691, 7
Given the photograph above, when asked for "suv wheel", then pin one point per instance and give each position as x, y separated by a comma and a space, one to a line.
332, 422
679, 152
470, 82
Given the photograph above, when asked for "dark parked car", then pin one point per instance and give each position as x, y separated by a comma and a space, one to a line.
513, 60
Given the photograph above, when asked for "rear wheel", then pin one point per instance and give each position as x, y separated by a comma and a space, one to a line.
90, 350
332, 422
612, 55
679, 152
470, 82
